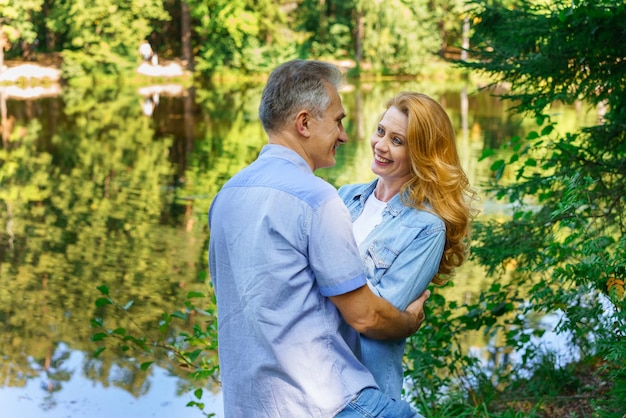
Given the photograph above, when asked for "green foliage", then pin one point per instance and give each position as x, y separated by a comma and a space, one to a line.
234, 37
16, 23
401, 37
565, 238
195, 352
103, 37
235, 34
13, 25
434, 357
327, 27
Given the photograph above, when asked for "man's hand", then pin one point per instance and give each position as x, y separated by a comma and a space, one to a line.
416, 308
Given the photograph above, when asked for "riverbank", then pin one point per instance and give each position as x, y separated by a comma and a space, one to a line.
29, 80
28, 72
49, 71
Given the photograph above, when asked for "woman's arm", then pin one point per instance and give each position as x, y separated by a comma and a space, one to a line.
412, 270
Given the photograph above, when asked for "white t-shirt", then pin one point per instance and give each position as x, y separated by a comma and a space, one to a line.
371, 216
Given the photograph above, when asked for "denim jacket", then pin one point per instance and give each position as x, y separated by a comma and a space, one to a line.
400, 257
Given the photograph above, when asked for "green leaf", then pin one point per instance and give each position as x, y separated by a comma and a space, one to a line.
119, 331
495, 287
498, 165
531, 162
146, 365
500, 308
194, 355
198, 393
179, 315
192, 295
99, 336
97, 351
532, 135
547, 130
103, 301
104, 289
199, 405
486, 153
97, 323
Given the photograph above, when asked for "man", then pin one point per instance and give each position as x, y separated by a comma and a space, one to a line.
287, 274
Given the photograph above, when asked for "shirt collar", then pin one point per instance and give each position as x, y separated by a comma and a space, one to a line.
279, 151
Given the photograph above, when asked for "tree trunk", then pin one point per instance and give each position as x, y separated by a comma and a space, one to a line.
358, 41
465, 41
5, 130
185, 24
2, 45
49, 37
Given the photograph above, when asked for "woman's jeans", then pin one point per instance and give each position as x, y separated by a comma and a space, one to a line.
372, 403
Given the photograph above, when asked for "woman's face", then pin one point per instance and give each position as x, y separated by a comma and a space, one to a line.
389, 145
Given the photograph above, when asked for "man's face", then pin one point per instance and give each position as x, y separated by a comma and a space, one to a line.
327, 133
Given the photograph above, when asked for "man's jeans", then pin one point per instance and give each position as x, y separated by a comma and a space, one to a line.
373, 403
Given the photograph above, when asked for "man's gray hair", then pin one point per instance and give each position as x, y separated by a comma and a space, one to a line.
294, 86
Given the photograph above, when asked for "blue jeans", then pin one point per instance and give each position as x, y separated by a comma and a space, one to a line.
372, 403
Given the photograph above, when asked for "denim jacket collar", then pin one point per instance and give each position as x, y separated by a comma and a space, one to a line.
394, 206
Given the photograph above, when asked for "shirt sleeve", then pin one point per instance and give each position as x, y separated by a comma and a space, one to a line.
333, 253
412, 270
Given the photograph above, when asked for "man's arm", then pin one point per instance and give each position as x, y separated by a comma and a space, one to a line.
378, 319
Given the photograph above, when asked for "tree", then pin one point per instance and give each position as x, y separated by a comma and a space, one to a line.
327, 28
185, 25
399, 37
103, 36
15, 23
242, 35
566, 236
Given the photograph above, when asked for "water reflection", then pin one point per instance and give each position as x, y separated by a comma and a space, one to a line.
95, 191
67, 392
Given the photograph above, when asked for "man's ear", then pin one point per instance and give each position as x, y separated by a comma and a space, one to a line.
303, 120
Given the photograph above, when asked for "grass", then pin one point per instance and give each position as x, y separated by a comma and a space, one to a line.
573, 391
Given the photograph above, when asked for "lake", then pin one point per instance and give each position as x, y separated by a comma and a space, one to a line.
110, 186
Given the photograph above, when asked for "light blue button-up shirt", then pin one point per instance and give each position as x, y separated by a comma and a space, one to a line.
400, 256
281, 243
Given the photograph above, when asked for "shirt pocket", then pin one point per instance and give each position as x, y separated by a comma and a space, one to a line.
378, 258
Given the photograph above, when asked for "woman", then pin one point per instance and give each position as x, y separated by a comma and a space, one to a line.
412, 222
